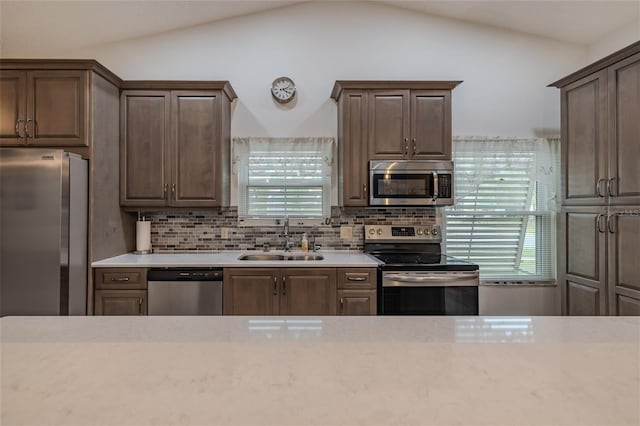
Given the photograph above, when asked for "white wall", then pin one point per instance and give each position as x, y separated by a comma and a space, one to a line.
518, 300
615, 40
505, 73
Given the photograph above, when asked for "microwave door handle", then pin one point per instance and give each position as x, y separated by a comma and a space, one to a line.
435, 186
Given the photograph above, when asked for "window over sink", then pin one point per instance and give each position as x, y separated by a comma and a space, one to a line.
280, 177
506, 201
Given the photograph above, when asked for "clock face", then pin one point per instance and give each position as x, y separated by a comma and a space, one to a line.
283, 89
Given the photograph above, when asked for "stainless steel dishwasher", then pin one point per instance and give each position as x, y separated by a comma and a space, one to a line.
185, 291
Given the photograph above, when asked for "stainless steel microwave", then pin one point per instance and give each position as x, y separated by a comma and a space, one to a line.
410, 183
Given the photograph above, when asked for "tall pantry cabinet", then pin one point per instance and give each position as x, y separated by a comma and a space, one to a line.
599, 234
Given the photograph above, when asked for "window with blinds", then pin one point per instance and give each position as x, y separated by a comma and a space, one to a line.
498, 220
279, 180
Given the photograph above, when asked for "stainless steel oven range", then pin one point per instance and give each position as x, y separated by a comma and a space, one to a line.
416, 278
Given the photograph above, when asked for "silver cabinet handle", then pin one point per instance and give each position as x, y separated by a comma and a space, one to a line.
28, 135
166, 188
364, 188
610, 187
598, 221
356, 278
435, 186
406, 147
173, 188
599, 187
18, 121
284, 286
140, 305
121, 279
415, 146
275, 285
610, 223
342, 305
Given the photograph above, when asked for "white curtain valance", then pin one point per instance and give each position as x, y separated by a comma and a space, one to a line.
478, 160
316, 146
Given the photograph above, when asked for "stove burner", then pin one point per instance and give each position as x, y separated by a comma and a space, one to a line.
410, 258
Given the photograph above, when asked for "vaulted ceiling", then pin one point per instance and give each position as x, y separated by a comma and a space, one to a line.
66, 25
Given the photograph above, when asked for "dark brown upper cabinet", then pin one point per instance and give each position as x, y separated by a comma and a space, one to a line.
175, 144
600, 106
389, 120
47, 107
353, 148
405, 124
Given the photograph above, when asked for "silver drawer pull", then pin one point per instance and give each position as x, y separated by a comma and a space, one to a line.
121, 279
357, 278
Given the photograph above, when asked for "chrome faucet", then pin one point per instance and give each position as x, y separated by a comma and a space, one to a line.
285, 231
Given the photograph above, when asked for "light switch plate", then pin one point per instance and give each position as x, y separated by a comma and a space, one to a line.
224, 233
346, 232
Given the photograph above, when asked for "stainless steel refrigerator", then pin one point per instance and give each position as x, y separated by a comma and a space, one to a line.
43, 232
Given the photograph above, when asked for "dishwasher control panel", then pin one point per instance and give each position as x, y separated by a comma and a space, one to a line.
184, 274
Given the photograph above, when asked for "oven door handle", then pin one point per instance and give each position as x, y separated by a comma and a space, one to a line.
464, 279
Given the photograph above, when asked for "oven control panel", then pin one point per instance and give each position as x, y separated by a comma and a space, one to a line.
417, 233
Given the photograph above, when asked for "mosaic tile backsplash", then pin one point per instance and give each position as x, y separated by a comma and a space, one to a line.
200, 230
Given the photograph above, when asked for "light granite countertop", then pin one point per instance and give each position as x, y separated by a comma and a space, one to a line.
320, 370
332, 259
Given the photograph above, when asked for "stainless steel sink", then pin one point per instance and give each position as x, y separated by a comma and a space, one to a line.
274, 256
305, 257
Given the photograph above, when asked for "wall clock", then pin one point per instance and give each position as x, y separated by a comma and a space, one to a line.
283, 89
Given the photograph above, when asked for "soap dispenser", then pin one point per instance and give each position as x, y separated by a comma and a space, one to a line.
304, 245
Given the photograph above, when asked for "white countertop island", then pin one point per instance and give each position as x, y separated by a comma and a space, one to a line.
320, 370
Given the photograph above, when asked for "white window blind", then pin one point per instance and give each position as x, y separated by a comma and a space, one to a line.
278, 177
504, 215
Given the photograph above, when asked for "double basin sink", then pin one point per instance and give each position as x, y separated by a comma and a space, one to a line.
277, 256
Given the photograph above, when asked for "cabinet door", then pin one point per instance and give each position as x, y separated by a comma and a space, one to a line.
308, 291
57, 102
627, 306
583, 300
13, 107
145, 173
121, 302
584, 121
430, 124
624, 273
388, 121
356, 302
250, 291
352, 131
197, 149
583, 261
624, 131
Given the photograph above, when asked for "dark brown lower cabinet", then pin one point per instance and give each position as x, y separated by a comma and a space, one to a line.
357, 289
583, 299
121, 302
624, 270
120, 291
356, 302
599, 261
279, 291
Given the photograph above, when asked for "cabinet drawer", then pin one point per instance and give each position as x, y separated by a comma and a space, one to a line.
357, 278
125, 279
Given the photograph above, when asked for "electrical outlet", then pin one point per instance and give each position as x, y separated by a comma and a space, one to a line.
224, 233
346, 232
